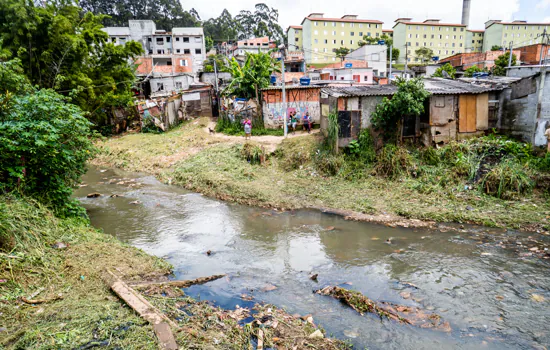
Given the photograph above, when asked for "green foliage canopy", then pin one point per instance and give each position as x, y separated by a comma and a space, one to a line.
502, 62
447, 67
253, 75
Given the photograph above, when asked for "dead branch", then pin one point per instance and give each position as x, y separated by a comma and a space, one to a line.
179, 284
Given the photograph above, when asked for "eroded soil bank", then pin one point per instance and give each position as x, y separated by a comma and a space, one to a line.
192, 158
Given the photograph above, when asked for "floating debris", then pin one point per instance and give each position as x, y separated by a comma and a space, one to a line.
93, 195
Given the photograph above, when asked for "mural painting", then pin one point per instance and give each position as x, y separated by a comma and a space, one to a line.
298, 100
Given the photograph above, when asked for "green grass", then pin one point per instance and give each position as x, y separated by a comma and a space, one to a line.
88, 312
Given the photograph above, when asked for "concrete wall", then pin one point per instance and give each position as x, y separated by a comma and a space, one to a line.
492, 36
368, 106
170, 83
299, 100
210, 78
374, 55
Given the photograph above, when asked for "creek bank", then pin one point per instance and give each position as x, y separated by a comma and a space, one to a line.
54, 294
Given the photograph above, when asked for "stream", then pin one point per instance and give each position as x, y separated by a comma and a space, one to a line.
494, 298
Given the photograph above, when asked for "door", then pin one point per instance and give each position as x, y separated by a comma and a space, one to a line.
344, 122
467, 113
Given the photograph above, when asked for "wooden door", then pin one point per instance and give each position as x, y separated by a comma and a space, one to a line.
467, 105
482, 120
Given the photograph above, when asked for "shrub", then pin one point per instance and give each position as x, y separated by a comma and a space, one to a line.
294, 153
393, 161
367, 151
507, 180
254, 154
44, 146
328, 164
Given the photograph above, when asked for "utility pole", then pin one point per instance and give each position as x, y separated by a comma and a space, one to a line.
391, 57
282, 49
543, 47
217, 88
406, 59
510, 59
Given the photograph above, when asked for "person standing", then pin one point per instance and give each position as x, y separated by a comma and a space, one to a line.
547, 134
294, 121
247, 128
307, 122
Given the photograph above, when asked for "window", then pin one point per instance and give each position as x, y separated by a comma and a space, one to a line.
424, 36
461, 29
315, 24
150, 52
334, 58
433, 36
409, 43
324, 24
326, 41
342, 33
334, 41
177, 39
352, 33
334, 24
447, 28
160, 52
315, 50
410, 36
342, 25
333, 32
351, 25
198, 39
179, 85
366, 78
315, 32
186, 39
342, 42
446, 44
440, 36
417, 36
325, 49
351, 42
453, 44
368, 34
177, 50
187, 51
160, 87
113, 39
377, 35
454, 29
454, 37
167, 39
460, 44
296, 39
149, 39
417, 44
198, 51
433, 28
160, 41
325, 32
361, 34
446, 37
461, 37
431, 44
369, 26
409, 27
169, 63
360, 25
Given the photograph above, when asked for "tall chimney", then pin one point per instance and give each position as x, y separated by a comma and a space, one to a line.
466, 12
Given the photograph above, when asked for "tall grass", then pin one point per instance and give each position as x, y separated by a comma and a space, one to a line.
332, 133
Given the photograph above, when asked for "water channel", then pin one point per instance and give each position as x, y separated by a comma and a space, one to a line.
484, 291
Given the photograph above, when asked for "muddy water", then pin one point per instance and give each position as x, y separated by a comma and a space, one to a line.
484, 291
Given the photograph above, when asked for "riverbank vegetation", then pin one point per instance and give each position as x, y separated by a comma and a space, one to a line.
491, 181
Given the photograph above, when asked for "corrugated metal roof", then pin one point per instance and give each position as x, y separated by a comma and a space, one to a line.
290, 87
436, 86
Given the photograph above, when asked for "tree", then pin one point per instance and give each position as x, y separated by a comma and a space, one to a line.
262, 22
44, 142
208, 43
222, 28
370, 40
468, 73
425, 54
61, 48
221, 64
342, 52
408, 101
361, 43
496, 48
448, 69
501, 63
394, 55
253, 75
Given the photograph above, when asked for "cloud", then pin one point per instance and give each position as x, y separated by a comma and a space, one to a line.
542, 4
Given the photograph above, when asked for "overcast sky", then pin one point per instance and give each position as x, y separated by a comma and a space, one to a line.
293, 11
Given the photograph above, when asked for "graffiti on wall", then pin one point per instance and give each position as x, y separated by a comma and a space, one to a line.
301, 101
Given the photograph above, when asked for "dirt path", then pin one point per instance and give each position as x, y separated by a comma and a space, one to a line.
269, 141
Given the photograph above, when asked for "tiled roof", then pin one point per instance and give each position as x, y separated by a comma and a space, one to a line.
343, 20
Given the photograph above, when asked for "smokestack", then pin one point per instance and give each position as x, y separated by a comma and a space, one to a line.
466, 12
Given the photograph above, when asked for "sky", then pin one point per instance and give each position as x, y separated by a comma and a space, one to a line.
292, 12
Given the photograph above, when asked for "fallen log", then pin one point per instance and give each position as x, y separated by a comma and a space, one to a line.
400, 313
161, 323
179, 284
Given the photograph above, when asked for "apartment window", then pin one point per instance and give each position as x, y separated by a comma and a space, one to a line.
417, 27
361, 34
360, 25
473, 41
198, 39
425, 44
342, 25
431, 44
160, 41
447, 28
351, 25
326, 41
417, 36
315, 32
446, 44
315, 24
198, 51
316, 41
433, 36
453, 44
446, 52
325, 32
368, 34
149, 39
452, 52
342, 42
334, 58
505, 35
460, 44
351, 42
454, 37
150, 52
342, 33
113, 39
417, 44
179, 85
461, 37
366, 78
160, 52
186, 39
410, 36
160, 87
440, 36
409, 43
377, 35
334, 24
433, 28
325, 49
454, 29
167, 39
324, 24
177, 50
187, 51
461, 29
333, 32
334, 41
409, 27
296, 39
446, 37
425, 36
507, 27
352, 33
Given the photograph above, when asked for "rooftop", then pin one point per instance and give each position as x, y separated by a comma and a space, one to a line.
498, 21
438, 24
117, 30
355, 64
354, 20
188, 31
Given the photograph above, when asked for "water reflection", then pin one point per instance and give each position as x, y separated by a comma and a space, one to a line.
443, 272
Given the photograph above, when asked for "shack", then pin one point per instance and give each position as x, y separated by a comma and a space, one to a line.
455, 110
299, 99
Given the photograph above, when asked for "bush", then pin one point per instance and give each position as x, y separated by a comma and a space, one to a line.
254, 154
44, 146
366, 150
328, 164
507, 180
393, 161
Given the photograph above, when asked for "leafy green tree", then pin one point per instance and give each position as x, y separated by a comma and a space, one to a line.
496, 48
166, 14
252, 76
262, 22
424, 53
62, 48
468, 73
208, 43
222, 28
394, 55
44, 142
221, 63
370, 40
342, 52
407, 101
448, 68
361, 43
501, 63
